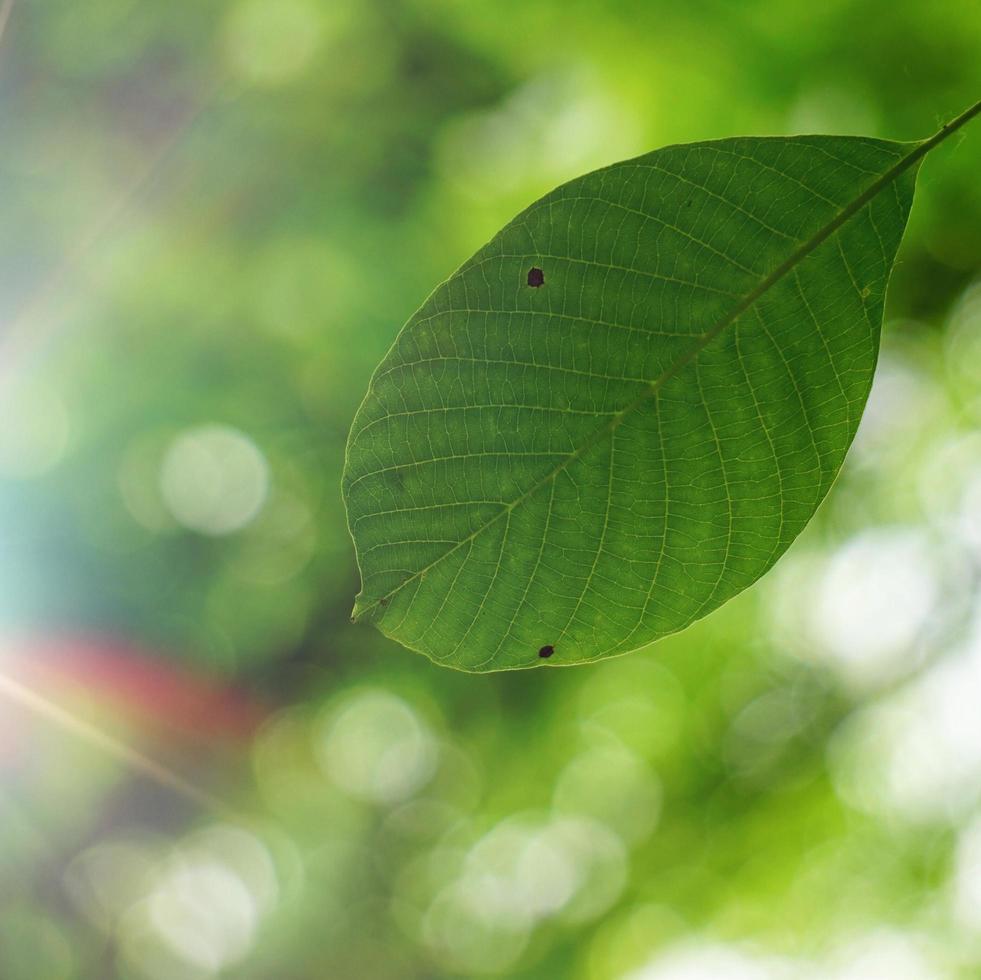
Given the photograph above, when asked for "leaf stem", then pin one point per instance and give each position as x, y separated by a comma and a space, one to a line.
941, 134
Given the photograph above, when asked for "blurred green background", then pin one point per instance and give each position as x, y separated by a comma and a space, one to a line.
215, 216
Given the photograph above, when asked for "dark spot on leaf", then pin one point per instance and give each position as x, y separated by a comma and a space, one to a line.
546, 651
688, 203
536, 277
383, 601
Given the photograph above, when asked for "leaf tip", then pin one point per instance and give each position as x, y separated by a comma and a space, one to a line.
364, 607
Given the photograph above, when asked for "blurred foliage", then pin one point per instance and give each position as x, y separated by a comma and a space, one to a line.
215, 217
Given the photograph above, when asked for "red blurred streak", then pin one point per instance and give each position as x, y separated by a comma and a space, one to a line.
147, 690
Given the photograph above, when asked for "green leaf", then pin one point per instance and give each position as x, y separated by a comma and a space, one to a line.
565, 471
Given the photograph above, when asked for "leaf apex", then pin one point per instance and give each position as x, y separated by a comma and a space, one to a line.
363, 608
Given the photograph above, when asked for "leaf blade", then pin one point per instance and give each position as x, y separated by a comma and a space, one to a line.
647, 264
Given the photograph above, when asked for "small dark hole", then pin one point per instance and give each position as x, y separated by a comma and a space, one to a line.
536, 277
546, 651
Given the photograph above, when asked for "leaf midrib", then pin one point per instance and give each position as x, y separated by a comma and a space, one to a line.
902, 165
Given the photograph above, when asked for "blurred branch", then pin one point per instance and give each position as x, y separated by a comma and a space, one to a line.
136, 761
5, 11
27, 330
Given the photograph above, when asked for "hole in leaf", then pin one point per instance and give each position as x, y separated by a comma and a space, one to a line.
536, 277
546, 651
